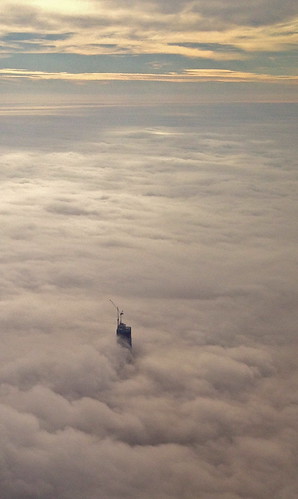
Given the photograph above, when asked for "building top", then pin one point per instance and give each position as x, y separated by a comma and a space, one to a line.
123, 331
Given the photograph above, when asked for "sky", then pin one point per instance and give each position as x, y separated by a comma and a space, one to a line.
148, 155
144, 51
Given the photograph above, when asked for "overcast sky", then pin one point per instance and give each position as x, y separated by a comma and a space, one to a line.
136, 167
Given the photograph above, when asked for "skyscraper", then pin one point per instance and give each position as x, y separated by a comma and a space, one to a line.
123, 331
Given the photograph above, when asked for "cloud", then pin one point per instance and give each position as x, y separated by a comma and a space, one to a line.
173, 28
189, 75
214, 11
188, 223
259, 12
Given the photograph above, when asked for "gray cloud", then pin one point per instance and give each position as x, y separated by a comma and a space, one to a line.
188, 224
26, 16
256, 13
216, 13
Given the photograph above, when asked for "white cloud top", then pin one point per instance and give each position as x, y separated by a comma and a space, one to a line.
186, 217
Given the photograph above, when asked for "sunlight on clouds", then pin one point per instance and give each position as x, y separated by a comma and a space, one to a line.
193, 41
61, 7
117, 38
189, 75
265, 38
142, 28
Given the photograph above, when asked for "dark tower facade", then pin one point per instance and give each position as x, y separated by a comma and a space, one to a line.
123, 333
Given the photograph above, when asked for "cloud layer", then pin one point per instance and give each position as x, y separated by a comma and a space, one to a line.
192, 76
171, 27
189, 223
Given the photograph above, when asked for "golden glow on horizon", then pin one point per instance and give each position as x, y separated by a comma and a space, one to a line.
189, 75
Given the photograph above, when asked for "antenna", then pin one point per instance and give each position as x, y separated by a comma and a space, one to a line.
119, 314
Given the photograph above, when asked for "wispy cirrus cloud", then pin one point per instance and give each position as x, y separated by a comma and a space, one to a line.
173, 28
